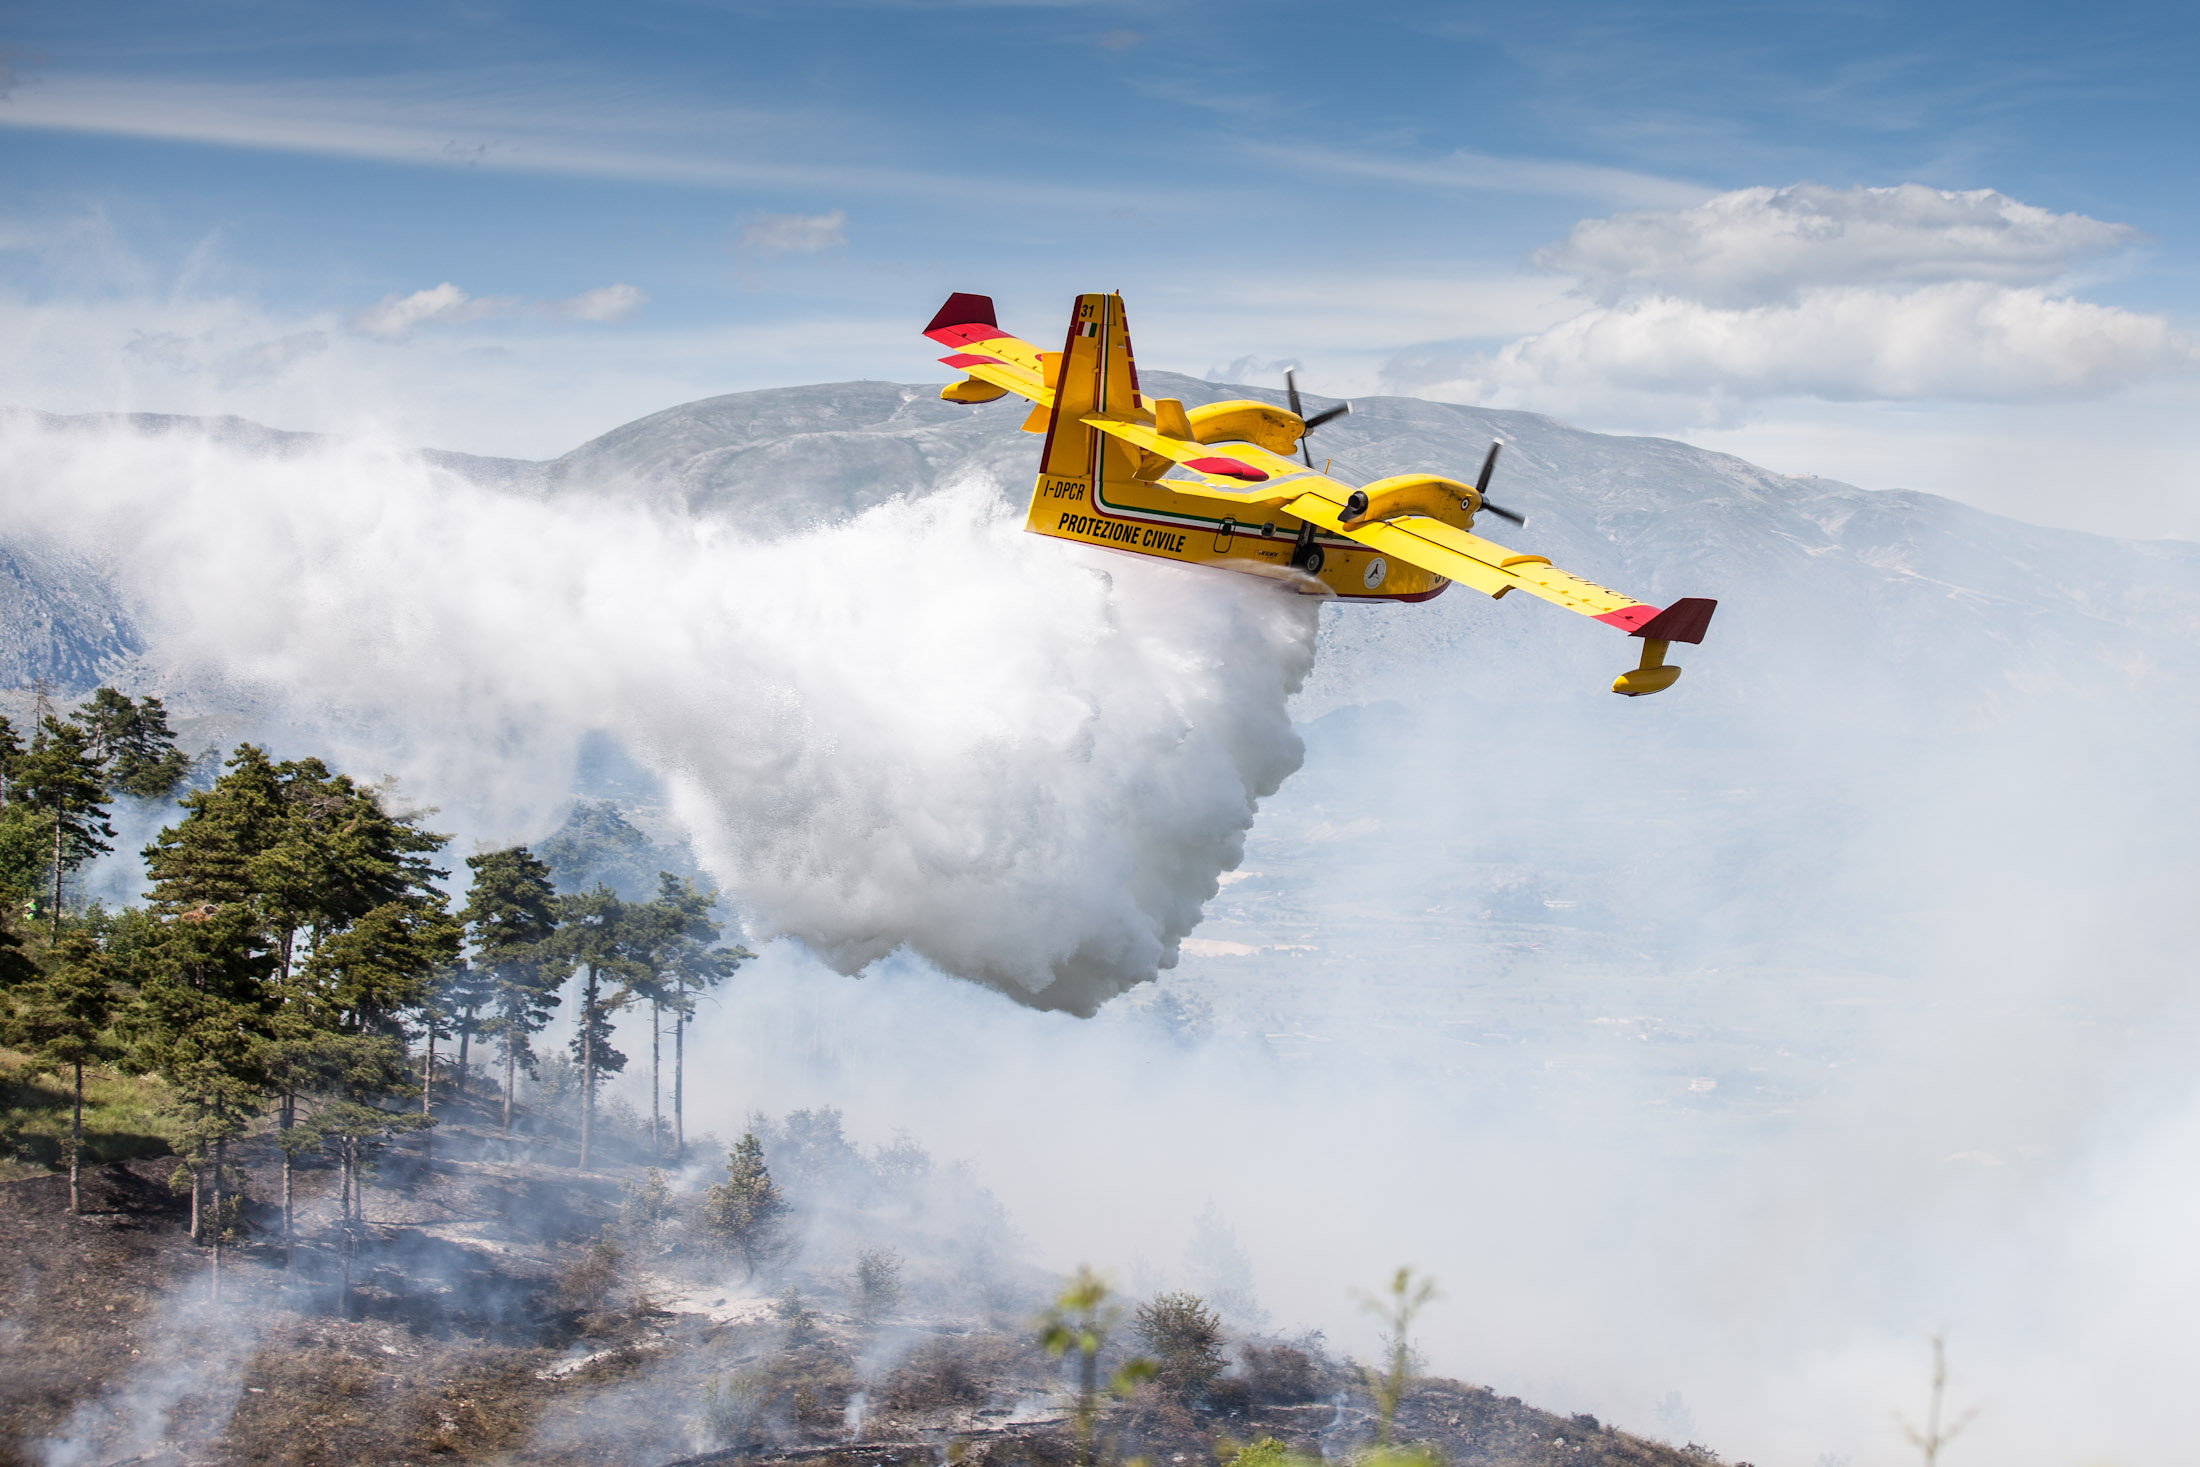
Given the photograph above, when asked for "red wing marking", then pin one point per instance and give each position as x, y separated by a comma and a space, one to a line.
966, 335
1229, 468
971, 359
1628, 618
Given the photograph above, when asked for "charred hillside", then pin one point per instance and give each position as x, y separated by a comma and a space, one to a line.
494, 1303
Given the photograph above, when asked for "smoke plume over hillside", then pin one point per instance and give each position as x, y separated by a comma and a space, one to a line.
905, 730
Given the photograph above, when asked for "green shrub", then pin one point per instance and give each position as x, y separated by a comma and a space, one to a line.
878, 1281
1185, 1337
733, 1413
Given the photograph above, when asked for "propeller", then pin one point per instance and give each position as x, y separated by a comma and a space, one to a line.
1291, 387
1482, 484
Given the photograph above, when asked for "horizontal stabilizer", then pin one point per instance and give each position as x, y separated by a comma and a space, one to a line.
964, 310
1686, 620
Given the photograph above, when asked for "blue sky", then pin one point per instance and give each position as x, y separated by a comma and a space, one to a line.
256, 208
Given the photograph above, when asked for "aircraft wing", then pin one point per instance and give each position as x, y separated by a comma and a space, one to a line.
1421, 540
1485, 565
1250, 473
980, 349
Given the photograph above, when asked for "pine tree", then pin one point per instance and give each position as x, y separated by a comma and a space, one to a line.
60, 777
599, 934
451, 1008
336, 892
511, 918
676, 938
135, 747
746, 1213
206, 1022
11, 749
365, 977
22, 834
60, 1019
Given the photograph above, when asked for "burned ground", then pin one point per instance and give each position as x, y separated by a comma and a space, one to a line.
501, 1311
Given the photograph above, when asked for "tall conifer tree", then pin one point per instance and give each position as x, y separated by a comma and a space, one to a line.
338, 895
511, 919
60, 777
599, 934
676, 942
61, 1019
134, 744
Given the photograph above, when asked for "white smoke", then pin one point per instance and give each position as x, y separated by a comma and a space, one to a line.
1027, 762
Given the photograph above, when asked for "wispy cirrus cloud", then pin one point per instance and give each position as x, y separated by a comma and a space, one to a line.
613, 302
398, 315
794, 234
1464, 170
394, 315
524, 123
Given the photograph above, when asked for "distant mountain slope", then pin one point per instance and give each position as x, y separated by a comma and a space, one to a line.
59, 619
1905, 600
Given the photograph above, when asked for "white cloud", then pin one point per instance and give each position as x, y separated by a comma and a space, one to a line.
394, 315
604, 303
1762, 246
1905, 294
794, 234
1965, 341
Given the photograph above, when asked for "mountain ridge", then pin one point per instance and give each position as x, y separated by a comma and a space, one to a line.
1805, 567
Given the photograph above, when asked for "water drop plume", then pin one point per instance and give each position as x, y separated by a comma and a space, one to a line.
917, 728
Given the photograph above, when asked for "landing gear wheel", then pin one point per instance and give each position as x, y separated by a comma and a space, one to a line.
1312, 565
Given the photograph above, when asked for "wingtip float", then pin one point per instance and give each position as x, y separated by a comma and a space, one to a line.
1217, 485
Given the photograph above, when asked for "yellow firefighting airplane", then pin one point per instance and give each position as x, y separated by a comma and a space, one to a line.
1140, 474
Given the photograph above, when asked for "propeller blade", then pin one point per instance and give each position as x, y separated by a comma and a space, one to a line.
1326, 414
1291, 389
1489, 465
1503, 513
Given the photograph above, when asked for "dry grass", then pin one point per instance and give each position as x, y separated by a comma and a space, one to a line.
312, 1399
125, 1116
936, 1375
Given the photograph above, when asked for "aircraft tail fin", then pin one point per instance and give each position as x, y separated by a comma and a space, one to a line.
1095, 373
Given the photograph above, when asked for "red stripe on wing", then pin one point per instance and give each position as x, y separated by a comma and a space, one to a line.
1628, 618
966, 335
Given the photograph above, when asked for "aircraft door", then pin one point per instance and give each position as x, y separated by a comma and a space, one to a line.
1223, 534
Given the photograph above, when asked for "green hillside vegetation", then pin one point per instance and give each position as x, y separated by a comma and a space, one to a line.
298, 964
124, 1116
